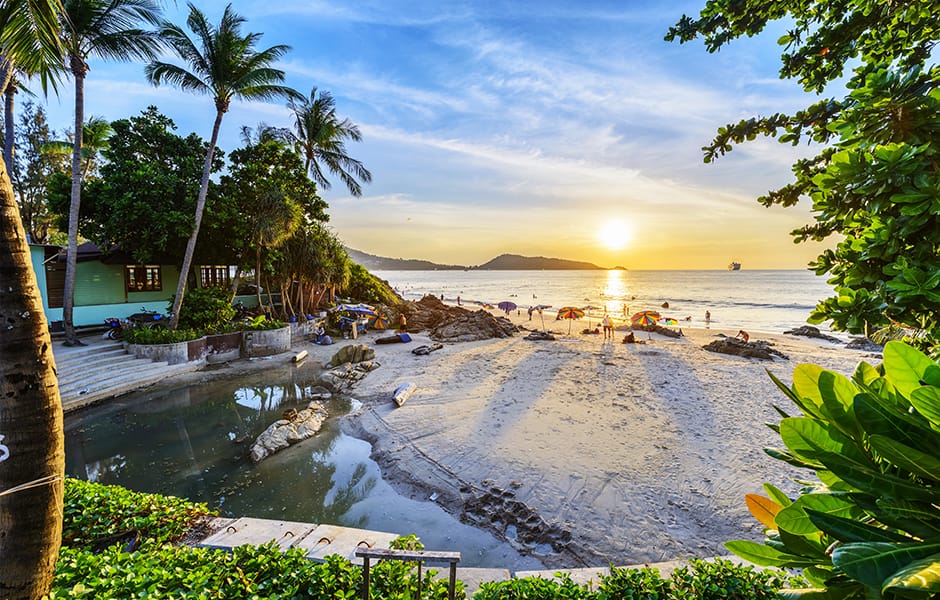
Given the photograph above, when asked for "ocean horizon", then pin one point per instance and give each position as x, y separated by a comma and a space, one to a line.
769, 301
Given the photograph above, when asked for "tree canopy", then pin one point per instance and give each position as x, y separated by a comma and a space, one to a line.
874, 184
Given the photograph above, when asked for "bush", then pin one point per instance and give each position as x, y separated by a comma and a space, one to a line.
93, 511
261, 323
870, 527
206, 309
159, 335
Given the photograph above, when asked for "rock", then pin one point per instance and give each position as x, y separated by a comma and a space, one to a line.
864, 344
813, 332
734, 346
453, 323
319, 392
353, 353
284, 432
675, 333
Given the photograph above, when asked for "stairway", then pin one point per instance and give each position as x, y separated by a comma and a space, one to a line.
103, 369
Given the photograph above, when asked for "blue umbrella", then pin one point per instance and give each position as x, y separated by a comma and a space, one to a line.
506, 306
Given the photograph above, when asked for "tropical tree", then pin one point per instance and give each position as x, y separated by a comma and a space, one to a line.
224, 65
108, 29
31, 170
320, 137
874, 185
32, 457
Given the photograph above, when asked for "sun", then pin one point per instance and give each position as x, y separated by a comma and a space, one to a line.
614, 235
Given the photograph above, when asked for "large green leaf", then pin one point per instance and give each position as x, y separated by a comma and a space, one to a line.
765, 556
865, 374
878, 418
809, 439
806, 388
873, 563
852, 530
921, 575
795, 520
867, 478
777, 495
838, 394
792, 460
910, 459
905, 367
926, 401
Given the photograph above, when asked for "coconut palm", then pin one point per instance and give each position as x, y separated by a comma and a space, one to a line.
224, 65
95, 136
108, 29
32, 457
319, 136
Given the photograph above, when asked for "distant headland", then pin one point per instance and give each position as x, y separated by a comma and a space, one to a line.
503, 262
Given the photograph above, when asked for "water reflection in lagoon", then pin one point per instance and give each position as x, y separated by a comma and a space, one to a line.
193, 442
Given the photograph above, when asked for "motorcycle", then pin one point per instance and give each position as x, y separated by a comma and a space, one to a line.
146, 318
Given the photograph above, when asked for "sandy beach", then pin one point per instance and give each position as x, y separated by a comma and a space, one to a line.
583, 452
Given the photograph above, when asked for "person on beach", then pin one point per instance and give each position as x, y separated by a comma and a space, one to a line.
458, 300
743, 335
608, 326
625, 311
402, 323
531, 308
708, 316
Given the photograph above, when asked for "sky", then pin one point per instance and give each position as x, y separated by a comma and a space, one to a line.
560, 129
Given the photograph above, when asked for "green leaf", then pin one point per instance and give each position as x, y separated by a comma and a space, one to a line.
920, 576
810, 439
877, 417
905, 367
910, 459
926, 401
777, 495
865, 477
806, 388
852, 530
873, 563
765, 556
795, 520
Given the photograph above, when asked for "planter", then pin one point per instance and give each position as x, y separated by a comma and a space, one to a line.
223, 347
174, 354
265, 342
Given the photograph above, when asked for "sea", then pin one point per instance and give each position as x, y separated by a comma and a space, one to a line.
768, 301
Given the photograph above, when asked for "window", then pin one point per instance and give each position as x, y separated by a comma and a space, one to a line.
143, 278
214, 276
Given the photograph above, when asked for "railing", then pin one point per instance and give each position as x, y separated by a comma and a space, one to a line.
418, 556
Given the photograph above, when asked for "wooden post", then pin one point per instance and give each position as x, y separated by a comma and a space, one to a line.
451, 590
365, 578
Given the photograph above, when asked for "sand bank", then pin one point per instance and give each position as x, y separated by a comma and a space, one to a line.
584, 452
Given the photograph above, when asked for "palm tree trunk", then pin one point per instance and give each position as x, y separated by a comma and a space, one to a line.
200, 207
9, 125
258, 277
31, 434
235, 281
68, 302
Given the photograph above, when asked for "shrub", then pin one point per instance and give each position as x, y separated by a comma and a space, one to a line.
261, 323
633, 584
206, 309
93, 511
159, 335
870, 526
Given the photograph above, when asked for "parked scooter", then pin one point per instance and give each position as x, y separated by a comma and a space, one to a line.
146, 318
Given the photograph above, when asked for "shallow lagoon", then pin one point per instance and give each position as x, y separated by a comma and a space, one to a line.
193, 442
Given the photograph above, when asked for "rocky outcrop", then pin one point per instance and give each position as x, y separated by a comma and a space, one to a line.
673, 333
812, 332
343, 378
296, 426
354, 353
453, 323
734, 346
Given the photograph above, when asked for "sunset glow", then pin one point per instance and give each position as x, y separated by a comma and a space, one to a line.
615, 235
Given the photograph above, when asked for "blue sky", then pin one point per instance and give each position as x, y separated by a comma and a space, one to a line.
537, 128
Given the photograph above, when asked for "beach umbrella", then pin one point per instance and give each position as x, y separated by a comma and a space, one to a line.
379, 321
645, 318
587, 310
668, 321
507, 306
359, 309
571, 313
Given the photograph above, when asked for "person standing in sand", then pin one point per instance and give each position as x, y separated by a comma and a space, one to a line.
608, 325
402, 323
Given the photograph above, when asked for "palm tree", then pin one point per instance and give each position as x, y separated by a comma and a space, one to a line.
95, 136
226, 67
320, 136
107, 29
32, 456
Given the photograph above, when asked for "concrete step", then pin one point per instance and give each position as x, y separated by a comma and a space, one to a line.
101, 370
83, 361
121, 383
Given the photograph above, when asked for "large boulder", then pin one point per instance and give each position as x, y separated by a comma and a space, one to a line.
812, 332
453, 323
296, 426
737, 347
353, 353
